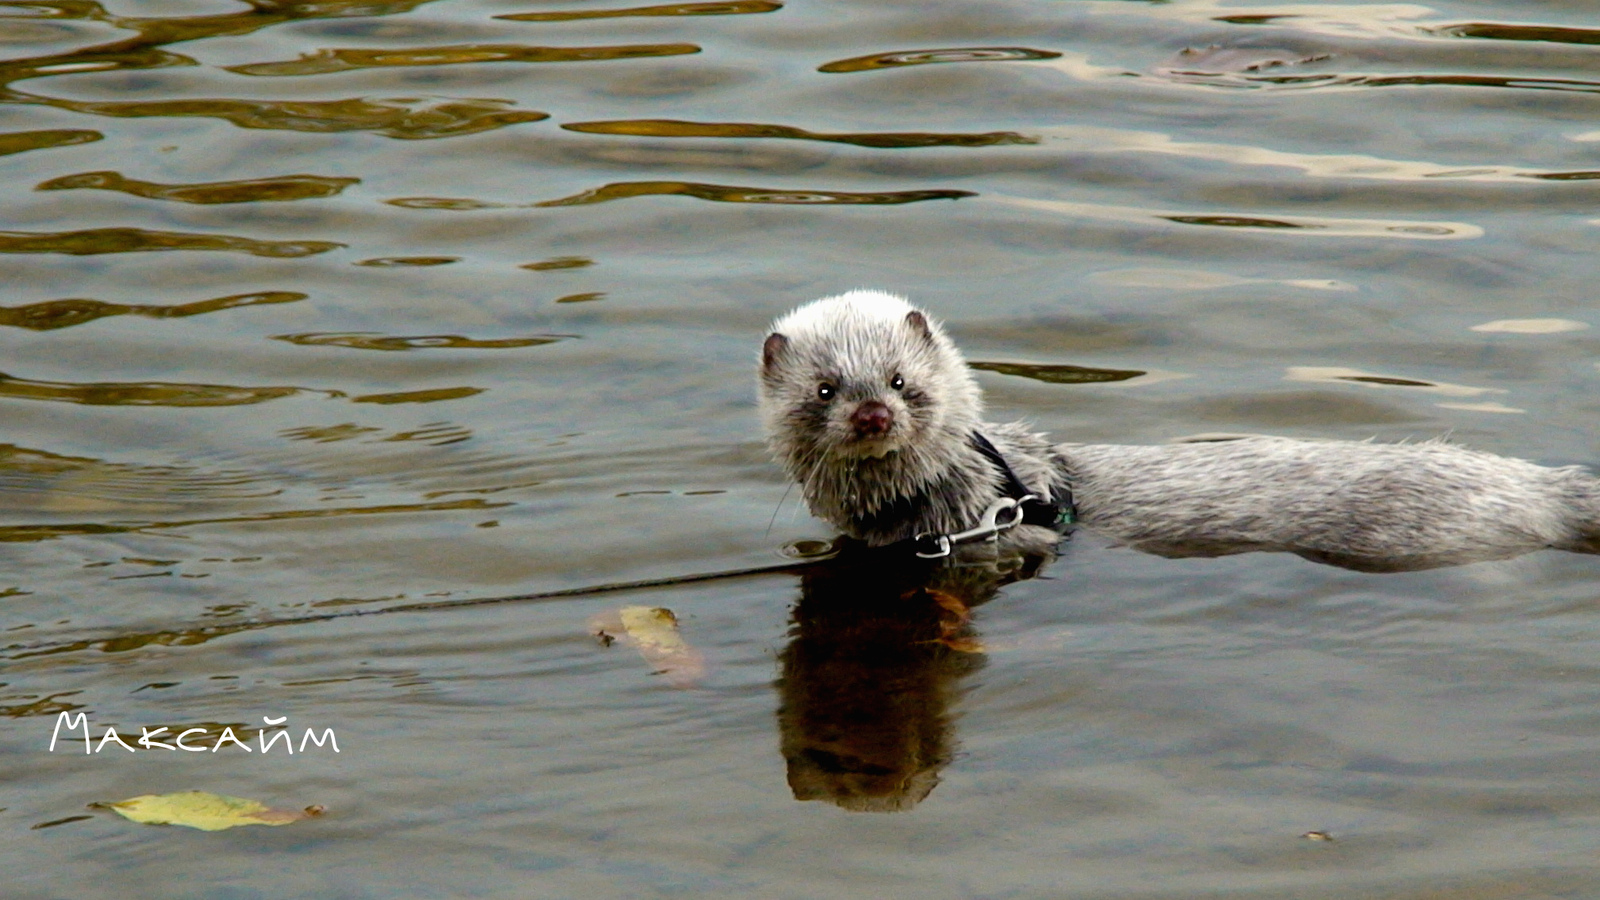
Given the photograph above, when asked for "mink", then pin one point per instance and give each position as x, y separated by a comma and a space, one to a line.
871, 409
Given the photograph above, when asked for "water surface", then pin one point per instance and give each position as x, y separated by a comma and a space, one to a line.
322, 309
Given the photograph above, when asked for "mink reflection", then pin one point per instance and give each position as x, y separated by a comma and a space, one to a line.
878, 646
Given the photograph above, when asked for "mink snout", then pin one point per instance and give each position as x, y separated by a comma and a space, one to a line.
872, 419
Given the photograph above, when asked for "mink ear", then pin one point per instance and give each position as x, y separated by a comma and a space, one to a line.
771, 350
919, 324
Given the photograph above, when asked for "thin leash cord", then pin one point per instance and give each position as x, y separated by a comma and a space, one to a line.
200, 635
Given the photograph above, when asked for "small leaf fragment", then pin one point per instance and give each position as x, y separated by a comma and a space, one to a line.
653, 631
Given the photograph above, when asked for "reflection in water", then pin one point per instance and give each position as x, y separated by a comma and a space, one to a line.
878, 647
327, 61
719, 193
1201, 279
559, 262
1339, 374
282, 187
78, 482
31, 533
370, 341
407, 118
1317, 165
730, 8
137, 240
1058, 374
1318, 226
1237, 222
52, 314
676, 128
1259, 68
41, 706
145, 393
1500, 31
452, 203
390, 262
139, 51
21, 141
427, 396
1216, 61
923, 57
726, 194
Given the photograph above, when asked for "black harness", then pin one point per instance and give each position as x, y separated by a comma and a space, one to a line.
1050, 513
1028, 509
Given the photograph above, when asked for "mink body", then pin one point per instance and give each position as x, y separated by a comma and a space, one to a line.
871, 410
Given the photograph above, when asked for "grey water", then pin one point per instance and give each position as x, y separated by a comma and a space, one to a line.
325, 319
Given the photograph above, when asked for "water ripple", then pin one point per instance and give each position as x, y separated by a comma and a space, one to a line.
31, 533
1316, 165
727, 194
396, 262
253, 190
680, 129
93, 241
50, 315
719, 193
407, 118
76, 481
370, 341
1501, 31
145, 393
1320, 226
432, 395
731, 8
1057, 373
924, 57
23, 141
329, 61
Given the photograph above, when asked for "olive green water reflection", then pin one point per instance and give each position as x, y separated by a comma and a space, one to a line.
326, 321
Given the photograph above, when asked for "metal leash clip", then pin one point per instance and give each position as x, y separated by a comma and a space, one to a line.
988, 527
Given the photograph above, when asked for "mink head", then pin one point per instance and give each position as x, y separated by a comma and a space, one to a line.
864, 375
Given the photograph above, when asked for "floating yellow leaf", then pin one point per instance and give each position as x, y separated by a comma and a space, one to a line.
653, 631
203, 810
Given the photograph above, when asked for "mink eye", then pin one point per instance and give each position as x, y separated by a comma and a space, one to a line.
897, 382
825, 391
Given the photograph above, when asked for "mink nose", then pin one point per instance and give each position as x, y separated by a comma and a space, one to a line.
872, 419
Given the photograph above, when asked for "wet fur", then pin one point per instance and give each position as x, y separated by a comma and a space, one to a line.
1361, 505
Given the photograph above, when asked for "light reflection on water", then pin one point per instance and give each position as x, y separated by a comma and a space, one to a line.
566, 228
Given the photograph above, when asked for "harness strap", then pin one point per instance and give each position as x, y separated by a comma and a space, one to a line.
1050, 512
1016, 506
